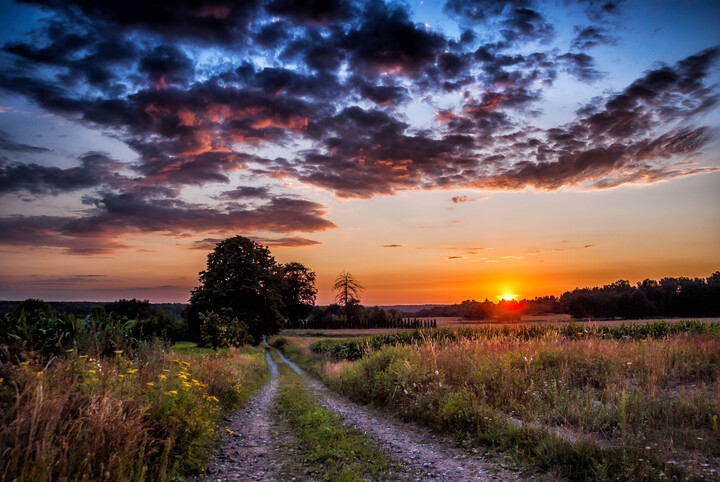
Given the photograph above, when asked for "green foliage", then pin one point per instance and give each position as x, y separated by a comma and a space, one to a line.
152, 417
298, 292
52, 334
330, 450
241, 280
617, 400
353, 316
219, 331
150, 320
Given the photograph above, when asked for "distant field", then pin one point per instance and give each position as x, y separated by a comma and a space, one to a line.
454, 322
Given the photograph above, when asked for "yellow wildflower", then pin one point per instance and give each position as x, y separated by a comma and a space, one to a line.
185, 363
39, 374
121, 376
92, 359
2, 380
118, 352
195, 381
82, 356
166, 370
91, 371
132, 370
161, 377
186, 384
213, 398
69, 351
25, 363
172, 392
150, 384
228, 430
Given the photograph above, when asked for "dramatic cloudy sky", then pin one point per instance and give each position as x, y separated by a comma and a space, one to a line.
439, 151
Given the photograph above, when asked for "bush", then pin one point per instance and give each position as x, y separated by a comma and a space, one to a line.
219, 331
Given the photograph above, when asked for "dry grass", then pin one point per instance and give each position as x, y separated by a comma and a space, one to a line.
599, 408
79, 418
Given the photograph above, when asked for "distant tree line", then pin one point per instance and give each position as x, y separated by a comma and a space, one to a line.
486, 310
672, 297
84, 308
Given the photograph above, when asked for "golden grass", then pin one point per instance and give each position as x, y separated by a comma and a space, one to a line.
114, 418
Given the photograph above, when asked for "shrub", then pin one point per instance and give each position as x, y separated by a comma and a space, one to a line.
219, 331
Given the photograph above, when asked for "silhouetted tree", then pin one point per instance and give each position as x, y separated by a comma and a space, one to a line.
298, 292
348, 289
242, 281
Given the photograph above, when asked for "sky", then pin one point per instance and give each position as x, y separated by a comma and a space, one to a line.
438, 151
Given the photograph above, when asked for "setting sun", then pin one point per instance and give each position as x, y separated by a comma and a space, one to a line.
508, 297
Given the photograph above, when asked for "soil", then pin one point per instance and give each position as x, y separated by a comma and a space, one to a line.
261, 445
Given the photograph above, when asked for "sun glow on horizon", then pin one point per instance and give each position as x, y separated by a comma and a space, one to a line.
508, 297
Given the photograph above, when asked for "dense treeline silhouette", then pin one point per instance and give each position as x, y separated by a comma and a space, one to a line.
668, 297
355, 315
486, 310
671, 297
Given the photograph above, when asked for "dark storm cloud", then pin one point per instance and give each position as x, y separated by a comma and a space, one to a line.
181, 85
48, 231
618, 144
582, 66
314, 11
387, 41
118, 214
132, 212
243, 192
8, 145
204, 21
287, 242
519, 21
369, 152
94, 169
210, 243
166, 64
588, 37
600, 10
526, 24
477, 10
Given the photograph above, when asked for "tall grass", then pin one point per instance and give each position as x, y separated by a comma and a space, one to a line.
355, 349
147, 418
596, 408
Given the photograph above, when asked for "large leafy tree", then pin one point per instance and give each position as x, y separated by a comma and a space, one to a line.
298, 291
243, 281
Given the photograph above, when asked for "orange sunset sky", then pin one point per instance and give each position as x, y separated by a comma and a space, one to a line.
435, 153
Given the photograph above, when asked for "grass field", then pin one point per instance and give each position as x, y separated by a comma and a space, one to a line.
593, 407
156, 416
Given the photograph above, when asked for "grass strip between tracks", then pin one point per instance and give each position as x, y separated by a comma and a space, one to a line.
329, 450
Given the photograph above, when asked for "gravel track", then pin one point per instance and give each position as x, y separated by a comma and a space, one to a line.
258, 445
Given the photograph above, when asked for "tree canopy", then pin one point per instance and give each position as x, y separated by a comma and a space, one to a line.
244, 286
241, 281
298, 291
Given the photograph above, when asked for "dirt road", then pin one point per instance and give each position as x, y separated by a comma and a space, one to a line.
260, 443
